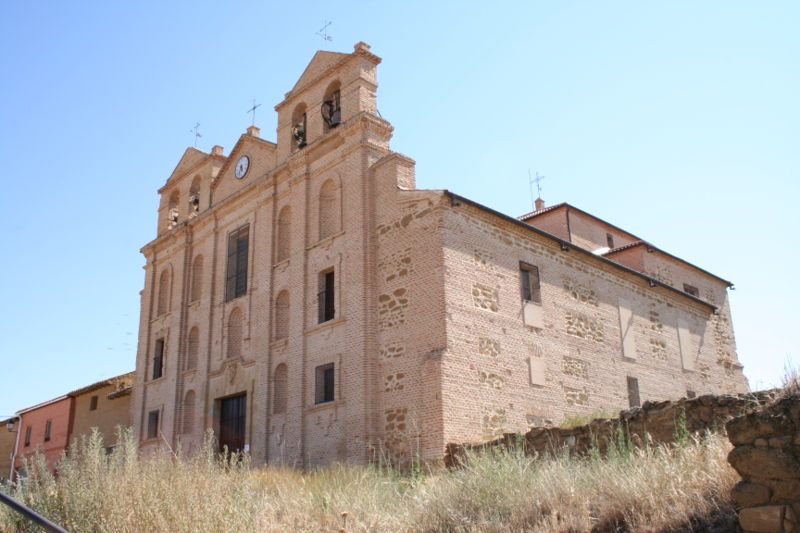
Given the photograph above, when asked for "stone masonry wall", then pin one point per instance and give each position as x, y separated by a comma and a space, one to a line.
654, 422
502, 374
767, 455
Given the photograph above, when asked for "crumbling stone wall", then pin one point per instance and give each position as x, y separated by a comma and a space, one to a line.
653, 422
767, 455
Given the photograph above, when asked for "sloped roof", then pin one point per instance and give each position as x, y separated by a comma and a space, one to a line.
243, 138
122, 379
650, 247
642, 275
320, 63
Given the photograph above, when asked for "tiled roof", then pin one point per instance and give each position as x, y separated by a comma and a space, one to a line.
633, 244
120, 393
124, 379
542, 211
650, 247
643, 275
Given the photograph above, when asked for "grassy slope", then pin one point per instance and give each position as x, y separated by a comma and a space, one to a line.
643, 490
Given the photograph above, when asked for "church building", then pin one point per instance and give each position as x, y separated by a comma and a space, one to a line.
306, 302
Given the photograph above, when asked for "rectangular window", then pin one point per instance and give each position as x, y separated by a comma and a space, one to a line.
28, 435
236, 271
326, 297
691, 394
324, 383
93, 403
47, 428
610, 240
152, 424
529, 283
633, 392
691, 289
158, 359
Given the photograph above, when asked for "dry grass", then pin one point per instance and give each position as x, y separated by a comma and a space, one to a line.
575, 421
661, 489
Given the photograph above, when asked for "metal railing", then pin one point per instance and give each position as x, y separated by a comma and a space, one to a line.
30, 514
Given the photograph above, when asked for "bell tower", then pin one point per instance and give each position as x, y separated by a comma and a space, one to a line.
333, 89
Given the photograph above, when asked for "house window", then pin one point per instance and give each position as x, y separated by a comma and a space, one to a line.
691, 289
633, 392
28, 435
326, 296
152, 424
48, 426
93, 403
610, 240
236, 276
158, 359
529, 283
324, 383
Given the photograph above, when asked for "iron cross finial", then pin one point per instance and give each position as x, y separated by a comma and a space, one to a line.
197, 134
253, 111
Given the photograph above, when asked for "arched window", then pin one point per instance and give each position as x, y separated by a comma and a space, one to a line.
284, 234
328, 209
172, 210
299, 130
194, 197
235, 334
197, 279
282, 315
192, 348
332, 107
163, 292
280, 388
188, 412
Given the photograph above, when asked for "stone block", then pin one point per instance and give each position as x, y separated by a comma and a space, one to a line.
784, 490
746, 429
764, 519
768, 463
750, 494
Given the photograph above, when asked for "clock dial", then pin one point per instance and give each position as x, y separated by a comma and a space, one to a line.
242, 166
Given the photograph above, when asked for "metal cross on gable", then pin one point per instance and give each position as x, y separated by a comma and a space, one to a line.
323, 32
253, 111
197, 134
538, 181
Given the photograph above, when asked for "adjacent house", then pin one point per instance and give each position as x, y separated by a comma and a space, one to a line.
104, 405
8, 438
45, 429
50, 427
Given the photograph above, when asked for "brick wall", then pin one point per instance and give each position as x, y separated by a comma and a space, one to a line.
489, 387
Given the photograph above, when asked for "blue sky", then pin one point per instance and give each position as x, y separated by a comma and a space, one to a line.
675, 120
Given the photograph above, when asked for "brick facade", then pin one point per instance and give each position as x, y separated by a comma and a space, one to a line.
105, 406
429, 339
44, 429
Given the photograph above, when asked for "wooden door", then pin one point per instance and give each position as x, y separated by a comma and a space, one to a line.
232, 419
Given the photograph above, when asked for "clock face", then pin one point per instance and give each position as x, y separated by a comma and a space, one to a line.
242, 165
